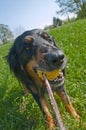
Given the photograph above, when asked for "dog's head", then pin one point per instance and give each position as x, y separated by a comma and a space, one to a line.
36, 52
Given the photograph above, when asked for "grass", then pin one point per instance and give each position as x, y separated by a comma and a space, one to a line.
20, 112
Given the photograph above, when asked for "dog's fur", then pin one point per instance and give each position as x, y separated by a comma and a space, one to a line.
33, 50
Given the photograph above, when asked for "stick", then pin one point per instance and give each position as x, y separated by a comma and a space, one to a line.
54, 104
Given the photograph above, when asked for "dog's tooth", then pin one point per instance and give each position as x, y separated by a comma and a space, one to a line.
55, 79
60, 74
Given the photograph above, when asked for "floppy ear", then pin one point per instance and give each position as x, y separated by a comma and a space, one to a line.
12, 59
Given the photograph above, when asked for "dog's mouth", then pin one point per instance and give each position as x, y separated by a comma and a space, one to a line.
55, 77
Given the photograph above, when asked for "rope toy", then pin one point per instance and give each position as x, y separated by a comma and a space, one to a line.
54, 104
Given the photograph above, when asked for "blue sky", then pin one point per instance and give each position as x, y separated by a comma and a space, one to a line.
28, 14
22, 15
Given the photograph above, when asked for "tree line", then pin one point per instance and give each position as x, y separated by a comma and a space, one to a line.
66, 7
6, 34
77, 7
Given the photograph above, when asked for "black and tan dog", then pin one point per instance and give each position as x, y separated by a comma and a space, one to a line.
36, 50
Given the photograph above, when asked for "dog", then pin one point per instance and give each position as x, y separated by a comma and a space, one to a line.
37, 50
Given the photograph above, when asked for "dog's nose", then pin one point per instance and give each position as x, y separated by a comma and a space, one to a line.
55, 58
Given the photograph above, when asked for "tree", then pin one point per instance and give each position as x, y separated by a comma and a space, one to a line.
82, 12
5, 34
77, 7
57, 22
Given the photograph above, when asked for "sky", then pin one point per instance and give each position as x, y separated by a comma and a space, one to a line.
28, 14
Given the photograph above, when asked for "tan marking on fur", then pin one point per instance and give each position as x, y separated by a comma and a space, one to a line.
68, 105
26, 91
49, 117
28, 39
45, 35
72, 110
31, 72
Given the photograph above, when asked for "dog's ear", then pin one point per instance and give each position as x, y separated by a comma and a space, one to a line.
12, 59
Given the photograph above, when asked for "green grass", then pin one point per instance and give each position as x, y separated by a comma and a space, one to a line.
20, 112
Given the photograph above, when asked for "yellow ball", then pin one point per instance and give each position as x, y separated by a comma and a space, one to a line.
50, 75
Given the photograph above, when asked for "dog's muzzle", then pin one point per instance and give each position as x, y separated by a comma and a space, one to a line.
55, 60
56, 68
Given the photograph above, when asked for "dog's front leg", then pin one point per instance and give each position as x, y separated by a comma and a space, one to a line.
46, 110
65, 98
44, 106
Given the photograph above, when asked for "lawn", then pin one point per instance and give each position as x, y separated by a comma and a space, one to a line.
19, 111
